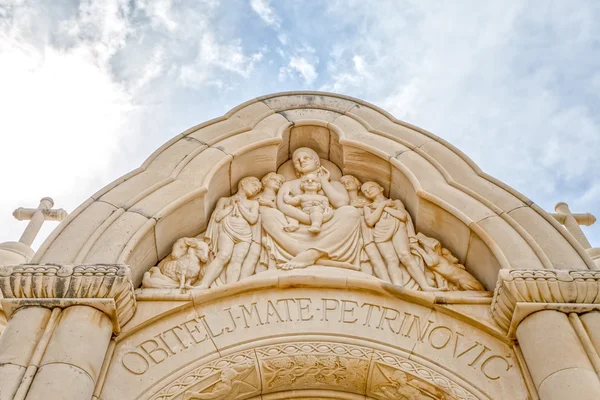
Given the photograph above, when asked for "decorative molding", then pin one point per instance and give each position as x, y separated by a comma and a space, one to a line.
204, 377
105, 287
312, 366
436, 380
551, 287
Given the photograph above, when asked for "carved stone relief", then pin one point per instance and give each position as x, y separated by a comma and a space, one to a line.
229, 377
280, 223
313, 365
396, 377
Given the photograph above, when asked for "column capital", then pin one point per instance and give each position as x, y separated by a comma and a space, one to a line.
105, 287
521, 292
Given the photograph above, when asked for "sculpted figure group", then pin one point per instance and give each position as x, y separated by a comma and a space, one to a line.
313, 219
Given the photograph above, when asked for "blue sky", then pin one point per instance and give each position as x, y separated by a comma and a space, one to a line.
89, 89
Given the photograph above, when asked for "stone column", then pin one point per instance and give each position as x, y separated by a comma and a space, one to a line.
556, 358
60, 352
17, 345
547, 312
72, 361
591, 322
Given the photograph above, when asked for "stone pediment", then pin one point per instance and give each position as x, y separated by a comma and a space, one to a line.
304, 246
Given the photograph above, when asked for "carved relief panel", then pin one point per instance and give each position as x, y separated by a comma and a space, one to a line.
309, 214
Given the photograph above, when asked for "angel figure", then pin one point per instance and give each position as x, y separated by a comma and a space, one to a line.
394, 235
182, 268
229, 385
230, 232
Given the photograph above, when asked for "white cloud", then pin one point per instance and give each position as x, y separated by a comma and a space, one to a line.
265, 12
213, 55
101, 26
304, 68
65, 116
160, 13
299, 66
352, 77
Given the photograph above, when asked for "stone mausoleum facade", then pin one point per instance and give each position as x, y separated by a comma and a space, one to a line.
303, 246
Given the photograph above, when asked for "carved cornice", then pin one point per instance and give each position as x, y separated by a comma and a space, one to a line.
533, 290
106, 287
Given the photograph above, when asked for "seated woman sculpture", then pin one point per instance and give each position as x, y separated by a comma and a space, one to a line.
391, 224
338, 242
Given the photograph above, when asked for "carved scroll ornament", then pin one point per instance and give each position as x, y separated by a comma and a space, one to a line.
312, 219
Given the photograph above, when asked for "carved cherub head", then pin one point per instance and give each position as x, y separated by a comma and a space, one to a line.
250, 186
272, 180
310, 184
350, 182
371, 190
305, 160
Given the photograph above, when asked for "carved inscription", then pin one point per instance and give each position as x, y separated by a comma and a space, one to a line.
294, 310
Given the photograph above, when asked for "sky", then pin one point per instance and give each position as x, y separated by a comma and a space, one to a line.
89, 89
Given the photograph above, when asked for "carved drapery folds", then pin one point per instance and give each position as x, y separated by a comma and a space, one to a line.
522, 292
106, 287
310, 217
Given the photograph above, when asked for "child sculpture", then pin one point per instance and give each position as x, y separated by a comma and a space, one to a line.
312, 203
229, 232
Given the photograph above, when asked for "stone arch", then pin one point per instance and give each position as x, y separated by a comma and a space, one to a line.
311, 334
135, 219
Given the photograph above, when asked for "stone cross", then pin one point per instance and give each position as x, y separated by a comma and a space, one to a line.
572, 221
36, 217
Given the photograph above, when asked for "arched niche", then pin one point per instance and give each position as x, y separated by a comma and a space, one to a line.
310, 334
136, 219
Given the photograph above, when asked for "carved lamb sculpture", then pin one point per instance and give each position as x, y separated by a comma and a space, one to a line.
180, 269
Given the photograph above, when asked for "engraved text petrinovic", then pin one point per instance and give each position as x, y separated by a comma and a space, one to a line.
295, 310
